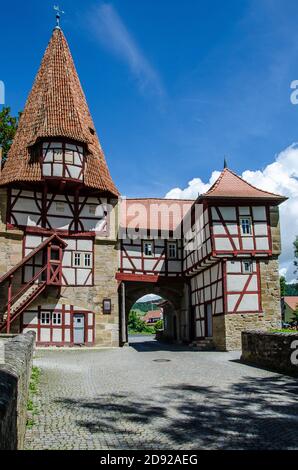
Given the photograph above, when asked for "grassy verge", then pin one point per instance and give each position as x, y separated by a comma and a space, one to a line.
32, 409
143, 333
284, 330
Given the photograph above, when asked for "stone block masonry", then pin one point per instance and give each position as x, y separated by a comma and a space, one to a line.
15, 376
269, 317
275, 351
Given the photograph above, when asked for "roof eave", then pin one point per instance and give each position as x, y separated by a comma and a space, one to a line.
273, 200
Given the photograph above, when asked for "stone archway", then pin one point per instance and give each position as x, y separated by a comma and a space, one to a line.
174, 293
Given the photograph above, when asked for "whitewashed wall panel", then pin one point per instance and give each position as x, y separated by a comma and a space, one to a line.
243, 288
228, 235
197, 240
133, 259
26, 211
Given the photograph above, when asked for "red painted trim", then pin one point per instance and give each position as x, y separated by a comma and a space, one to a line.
136, 277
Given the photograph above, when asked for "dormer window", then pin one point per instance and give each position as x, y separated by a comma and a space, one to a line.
62, 160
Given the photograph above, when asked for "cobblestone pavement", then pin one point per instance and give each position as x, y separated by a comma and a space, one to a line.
149, 396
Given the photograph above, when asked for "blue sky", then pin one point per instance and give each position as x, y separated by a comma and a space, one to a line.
172, 86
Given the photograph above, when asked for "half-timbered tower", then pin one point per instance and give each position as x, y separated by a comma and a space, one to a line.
58, 226
215, 259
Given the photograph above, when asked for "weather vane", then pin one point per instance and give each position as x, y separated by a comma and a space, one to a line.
58, 15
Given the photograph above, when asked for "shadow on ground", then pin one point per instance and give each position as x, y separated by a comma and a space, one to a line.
257, 413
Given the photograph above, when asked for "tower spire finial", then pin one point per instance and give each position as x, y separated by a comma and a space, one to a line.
58, 15
225, 163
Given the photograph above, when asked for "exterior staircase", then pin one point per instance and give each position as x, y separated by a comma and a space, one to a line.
21, 303
205, 344
49, 275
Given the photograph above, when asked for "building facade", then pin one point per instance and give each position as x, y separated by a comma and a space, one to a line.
75, 256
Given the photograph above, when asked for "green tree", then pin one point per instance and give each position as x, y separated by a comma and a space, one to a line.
283, 286
135, 323
8, 128
294, 321
158, 325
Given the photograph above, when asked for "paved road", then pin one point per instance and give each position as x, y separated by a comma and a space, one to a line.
150, 396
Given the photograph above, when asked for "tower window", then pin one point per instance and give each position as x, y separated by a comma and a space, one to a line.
246, 225
77, 259
148, 248
62, 159
87, 260
247, 266
172, 250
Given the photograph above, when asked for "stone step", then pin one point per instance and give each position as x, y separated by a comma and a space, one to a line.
205, 344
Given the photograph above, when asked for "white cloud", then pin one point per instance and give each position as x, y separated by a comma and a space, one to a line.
280, 177
114, 35
194, 188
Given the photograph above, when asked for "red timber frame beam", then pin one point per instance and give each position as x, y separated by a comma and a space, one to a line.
238, 236
137, 277
244, 291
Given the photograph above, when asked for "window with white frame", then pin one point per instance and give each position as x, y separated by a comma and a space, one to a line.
172, 250
82, 260
246, 225
45, 318
63, 159
247, 266
77, 259
148, 248
87, 260
56, 318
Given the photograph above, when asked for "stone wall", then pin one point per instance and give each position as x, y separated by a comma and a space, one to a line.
219, 332
270, 317
271, 350
15, 376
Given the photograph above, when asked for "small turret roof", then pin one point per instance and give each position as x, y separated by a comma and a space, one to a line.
56, 108
230, 185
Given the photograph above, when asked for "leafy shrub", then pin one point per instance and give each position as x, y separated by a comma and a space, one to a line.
158, 325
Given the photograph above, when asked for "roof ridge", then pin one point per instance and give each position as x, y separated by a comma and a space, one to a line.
242, 180
155, 199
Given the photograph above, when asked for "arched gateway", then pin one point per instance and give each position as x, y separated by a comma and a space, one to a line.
74, 256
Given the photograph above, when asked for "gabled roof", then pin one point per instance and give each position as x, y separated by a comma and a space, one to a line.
291, 301
153, 214
230, 185
56, 107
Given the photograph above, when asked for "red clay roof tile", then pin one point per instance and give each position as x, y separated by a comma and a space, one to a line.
232, 186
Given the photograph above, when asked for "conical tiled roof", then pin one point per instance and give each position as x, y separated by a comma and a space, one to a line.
230, 185
56, 107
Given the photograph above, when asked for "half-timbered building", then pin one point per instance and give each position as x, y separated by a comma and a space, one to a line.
74, 256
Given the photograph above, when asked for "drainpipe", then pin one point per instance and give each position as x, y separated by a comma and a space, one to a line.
123, 315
